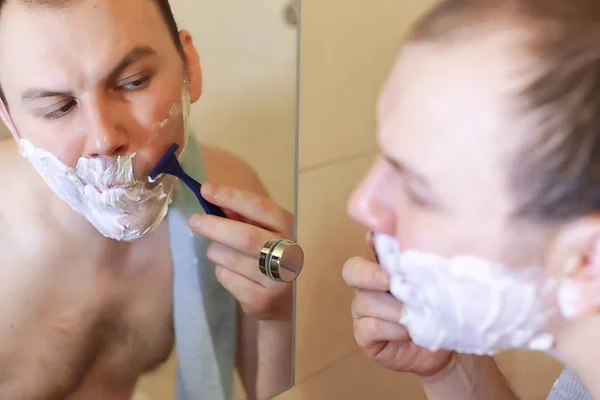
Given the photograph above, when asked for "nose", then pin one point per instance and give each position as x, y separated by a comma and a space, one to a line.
370, 204
105, 136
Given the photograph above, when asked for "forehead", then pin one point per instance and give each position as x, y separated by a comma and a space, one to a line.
446, 112
35, 40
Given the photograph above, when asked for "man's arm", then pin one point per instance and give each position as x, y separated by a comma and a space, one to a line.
264, 358
469, 377
264, 348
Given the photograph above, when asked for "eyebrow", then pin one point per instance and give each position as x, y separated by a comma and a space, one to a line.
133, 56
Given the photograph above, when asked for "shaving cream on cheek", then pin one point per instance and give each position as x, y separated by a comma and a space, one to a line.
105, 192
177, 110
181, 110
468, 304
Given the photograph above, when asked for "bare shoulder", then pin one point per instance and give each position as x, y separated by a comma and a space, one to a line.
10, 173
225, 168
18, 177
22, 189
10, 161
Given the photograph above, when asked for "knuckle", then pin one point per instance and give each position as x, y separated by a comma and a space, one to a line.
221, 274
358, 304
286, 222
222, 255
226, 194
213, 252
372, 327
251, 240
358, 334
260, 205
230, 258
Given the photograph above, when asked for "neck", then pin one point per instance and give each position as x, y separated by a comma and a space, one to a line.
577, 347
77, 227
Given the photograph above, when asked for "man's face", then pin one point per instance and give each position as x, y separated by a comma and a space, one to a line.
444, 128
94, 79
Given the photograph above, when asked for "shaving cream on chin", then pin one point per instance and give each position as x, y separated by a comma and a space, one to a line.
105, 192
468, 304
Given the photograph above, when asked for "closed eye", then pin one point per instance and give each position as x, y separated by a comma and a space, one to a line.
417, 194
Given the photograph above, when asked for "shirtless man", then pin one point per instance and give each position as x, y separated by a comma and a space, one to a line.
85, 315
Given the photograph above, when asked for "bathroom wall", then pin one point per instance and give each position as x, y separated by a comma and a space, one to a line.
248, 53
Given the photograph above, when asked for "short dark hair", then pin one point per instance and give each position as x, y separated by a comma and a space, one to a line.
163, 6
555, 175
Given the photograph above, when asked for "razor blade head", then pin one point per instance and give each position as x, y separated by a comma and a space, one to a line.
166, 163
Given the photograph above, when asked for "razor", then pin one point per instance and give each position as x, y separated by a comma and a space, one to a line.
169, 164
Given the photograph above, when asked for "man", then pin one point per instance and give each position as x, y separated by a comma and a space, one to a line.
93, 93
488, 180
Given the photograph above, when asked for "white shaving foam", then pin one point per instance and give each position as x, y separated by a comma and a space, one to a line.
468, 304
568, 298
105, 192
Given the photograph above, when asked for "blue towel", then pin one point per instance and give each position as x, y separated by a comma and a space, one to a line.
568, 387
204, 312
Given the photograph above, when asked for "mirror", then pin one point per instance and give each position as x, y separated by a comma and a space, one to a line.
127, 288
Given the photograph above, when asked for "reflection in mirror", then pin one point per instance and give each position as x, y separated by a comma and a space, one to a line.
122, 276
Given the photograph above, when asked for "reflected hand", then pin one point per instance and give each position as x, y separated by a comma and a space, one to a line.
252, 221
377, 330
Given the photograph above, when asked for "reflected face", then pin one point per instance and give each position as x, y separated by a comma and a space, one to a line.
440, 184
94, 79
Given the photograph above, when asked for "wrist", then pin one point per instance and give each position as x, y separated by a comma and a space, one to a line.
455, 377
468, 377
282, 310
447, 372
276, 320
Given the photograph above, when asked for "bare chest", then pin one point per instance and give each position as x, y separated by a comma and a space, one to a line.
86, 323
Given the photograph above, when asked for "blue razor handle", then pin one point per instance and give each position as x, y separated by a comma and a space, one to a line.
195, 187
169, 164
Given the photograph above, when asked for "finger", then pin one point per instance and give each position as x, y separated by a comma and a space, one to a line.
368, 331
378, 305
259, 209
360, 273
238, 262
246, 291
243, 237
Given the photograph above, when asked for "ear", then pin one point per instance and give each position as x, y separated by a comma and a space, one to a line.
192, 63
577, 265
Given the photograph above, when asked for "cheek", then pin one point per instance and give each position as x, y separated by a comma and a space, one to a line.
449, 236
164, 126
152, 107
67, 148
68, 152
